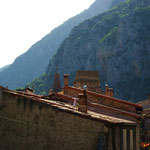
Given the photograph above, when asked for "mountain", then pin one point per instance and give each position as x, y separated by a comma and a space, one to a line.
115, 43
31, 64
3, 68
115, 3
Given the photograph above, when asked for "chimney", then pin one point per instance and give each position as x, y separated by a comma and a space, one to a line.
111, 92
82, 102
50, 91
66, 80
106, 89
149, 96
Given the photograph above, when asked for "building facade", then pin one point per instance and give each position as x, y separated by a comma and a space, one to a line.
146, 116
146, 120
54, 122
78, 119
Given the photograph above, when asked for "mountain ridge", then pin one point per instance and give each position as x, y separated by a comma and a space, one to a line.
3, 68
32, 63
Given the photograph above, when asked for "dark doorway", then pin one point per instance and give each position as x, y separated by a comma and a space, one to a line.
101, 142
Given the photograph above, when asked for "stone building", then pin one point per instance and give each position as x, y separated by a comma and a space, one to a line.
67, 122
88, 78
146, 116
146, 120
79, 119
105, 103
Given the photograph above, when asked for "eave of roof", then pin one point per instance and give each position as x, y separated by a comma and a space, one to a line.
70, 109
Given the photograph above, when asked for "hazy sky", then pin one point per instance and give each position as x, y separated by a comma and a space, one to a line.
24, 22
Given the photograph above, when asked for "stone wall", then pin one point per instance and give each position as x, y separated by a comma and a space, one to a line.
87, 75
29, 124
88, 78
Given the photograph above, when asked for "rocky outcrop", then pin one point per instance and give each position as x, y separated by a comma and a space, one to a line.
115, 43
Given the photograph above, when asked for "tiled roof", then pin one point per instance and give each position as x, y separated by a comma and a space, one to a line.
68, 108
105, 96
98, 107
145, 103
146, 113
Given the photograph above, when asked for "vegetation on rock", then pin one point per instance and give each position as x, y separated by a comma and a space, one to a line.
115, 43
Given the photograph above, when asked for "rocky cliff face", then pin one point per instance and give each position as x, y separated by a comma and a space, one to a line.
115, 3
115, 43
34, 62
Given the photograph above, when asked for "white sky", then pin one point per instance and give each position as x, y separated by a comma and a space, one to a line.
24, 22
